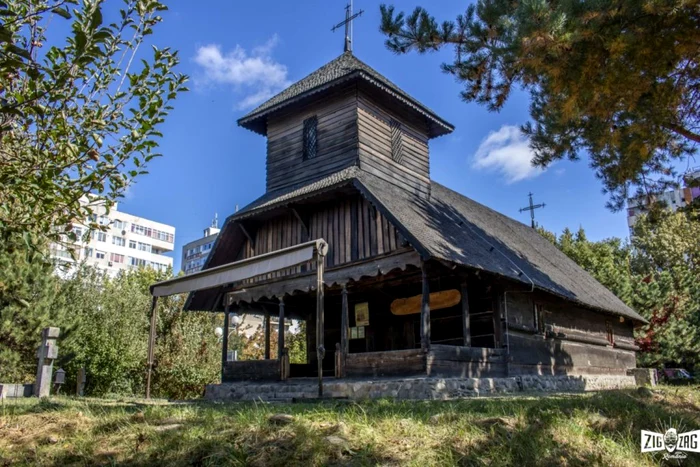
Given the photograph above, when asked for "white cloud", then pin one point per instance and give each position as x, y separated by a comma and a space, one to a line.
255, 75
507, 151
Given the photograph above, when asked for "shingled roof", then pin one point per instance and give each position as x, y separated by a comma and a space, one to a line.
451, 227
337, 71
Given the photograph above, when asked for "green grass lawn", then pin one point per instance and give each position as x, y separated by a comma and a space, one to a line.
582, 429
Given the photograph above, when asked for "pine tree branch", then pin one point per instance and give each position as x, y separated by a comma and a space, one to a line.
683, 132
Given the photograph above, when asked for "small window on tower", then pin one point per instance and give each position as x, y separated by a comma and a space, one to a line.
310, 137
396, 141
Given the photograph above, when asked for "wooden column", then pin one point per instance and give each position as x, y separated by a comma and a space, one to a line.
151, 346
224, 344
466, 332
280, 336
320, 349
344, 322
497, 321
425, 310
267, 334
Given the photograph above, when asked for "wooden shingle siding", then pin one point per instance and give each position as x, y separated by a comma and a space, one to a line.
353, 228
336, 145
412, 170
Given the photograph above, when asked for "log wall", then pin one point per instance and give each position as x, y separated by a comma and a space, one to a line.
576, 340
354, 128
337, 141
393, 363
374, 133
451, 361
251, 370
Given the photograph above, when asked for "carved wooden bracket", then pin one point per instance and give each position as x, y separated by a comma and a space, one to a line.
249, 232
303, 217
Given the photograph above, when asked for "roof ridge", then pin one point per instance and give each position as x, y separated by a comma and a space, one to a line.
341, 68
322, 67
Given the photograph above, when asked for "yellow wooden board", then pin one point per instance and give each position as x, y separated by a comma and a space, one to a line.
438, 300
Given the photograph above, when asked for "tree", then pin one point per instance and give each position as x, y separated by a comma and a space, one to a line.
111, 336
29, 301
252, 347
618, 79
667, 265
188, 355
78, 115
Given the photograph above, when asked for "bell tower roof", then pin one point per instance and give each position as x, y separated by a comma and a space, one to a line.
342, 69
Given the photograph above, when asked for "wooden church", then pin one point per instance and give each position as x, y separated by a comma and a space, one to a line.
418, 280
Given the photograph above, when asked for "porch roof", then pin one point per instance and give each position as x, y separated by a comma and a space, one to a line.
241, 270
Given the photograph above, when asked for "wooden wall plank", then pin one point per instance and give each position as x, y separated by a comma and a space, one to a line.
353, 228
374, 143
337, 141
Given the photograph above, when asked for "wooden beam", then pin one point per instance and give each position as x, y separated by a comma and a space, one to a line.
280, 332
303, 220
320, 350
344, 322
497, 321
466, 331
248, 235
267, 333
425, 310
224, 344
151, 346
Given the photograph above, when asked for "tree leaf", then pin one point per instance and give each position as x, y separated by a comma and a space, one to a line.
62, 12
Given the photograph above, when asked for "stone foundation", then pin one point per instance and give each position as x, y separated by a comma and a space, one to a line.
414, 388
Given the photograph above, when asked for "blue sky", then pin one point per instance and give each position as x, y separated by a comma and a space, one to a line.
239, 52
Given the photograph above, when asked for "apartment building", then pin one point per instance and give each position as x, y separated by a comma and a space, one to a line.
672, 199
129, 242
195, 253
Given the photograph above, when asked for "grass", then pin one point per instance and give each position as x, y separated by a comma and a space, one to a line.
576, 429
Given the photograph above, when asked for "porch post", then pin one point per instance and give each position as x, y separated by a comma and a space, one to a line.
224, 344
344, 328
320, 350
280, 332
425, 310
465, 316
267, 333
151, 345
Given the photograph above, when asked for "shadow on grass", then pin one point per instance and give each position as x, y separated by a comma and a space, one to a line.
495, 431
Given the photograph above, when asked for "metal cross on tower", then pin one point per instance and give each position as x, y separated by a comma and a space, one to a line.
532, 208
348, 26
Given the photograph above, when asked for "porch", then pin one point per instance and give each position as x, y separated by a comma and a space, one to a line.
394, 316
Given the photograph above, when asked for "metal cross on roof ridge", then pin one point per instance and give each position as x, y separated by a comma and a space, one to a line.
347, 22
532, 208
